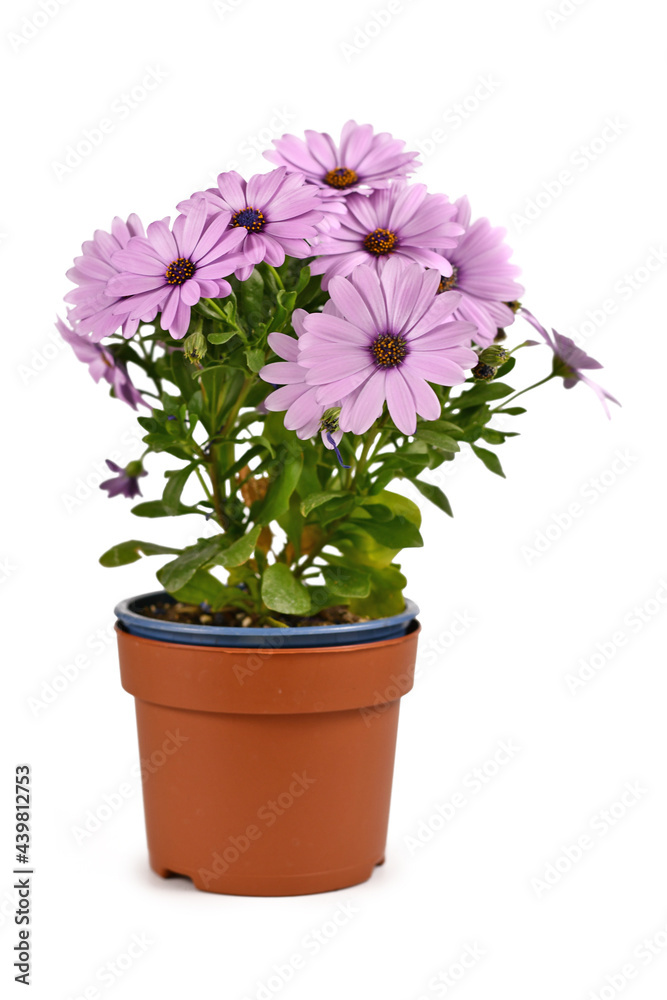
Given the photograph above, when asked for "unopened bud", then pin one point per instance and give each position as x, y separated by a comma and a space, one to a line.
134, 469
195, 346
329, 420
483, 373
494, 356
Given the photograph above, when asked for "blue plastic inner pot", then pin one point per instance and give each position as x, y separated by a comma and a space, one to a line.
127, 613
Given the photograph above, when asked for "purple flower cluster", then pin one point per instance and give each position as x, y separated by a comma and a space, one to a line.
414, 283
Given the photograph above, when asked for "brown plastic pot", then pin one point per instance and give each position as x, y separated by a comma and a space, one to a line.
267, 772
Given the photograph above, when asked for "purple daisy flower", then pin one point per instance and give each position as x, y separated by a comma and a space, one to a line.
170, 270
304, 414
403, 221
126, 482
392, 335
569, 360
271, 215
102, 364
94, 310
483, 275
361, 158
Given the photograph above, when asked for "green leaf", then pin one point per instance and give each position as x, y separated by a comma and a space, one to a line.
309, 296
398, 505
240, 550
336, 509
149, 423
196, 405
304, 278
309, 481
317, 499
250, 295
506, 368
203, 586
399, 533
378, 511
129, 552
181, 374
281, 591
490, 459
345, 581
492, 436
240, 463
172, 492
255, 358
156, 508
440, 425
280, 489
437, 439
179, 571
386, 594
434, 494
359, 549
483, 392
221, 336
514, 411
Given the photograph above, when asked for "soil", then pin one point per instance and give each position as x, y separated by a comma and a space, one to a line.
192, 614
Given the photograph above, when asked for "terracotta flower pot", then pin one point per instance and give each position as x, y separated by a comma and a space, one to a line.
267, 771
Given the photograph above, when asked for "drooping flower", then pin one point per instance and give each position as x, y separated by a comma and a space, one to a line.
304, 414
390, 335
402, 221
483, 275
570, 360
94, 310
170, 270
101, 364
362, 158
271, 214
126, 481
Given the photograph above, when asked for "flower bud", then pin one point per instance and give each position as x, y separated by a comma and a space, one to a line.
195, 347
494, 356
329, 422
483, 373
134, 469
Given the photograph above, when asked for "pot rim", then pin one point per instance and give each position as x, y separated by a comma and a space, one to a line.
228, 636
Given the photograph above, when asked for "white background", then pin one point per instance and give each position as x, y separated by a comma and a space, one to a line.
228, 77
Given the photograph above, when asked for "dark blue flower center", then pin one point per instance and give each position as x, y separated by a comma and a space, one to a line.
250, 218
179, 271
380, 242
446, 284
389, 350
341, 178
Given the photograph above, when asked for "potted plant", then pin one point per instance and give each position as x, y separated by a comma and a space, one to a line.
298, 343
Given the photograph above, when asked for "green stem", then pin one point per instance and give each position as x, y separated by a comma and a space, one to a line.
228, 449
360, 465
278, 279
216, 308
521, 392
205, 488
216, 499
245, 389
311, 557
